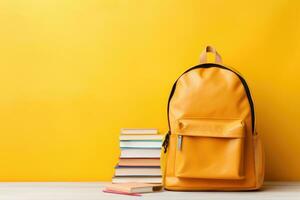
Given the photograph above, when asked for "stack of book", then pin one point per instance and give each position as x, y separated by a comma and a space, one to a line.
140, 156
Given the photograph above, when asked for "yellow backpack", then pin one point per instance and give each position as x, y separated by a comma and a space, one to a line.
212, 143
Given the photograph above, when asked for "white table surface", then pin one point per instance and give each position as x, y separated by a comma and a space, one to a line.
93, 191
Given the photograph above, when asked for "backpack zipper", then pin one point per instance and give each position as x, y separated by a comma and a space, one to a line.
208, 65
179, 142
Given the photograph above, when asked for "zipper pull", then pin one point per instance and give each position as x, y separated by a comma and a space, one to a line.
179, 142
166, 141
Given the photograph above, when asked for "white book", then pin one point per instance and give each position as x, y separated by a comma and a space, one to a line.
136, 179
140, 144
139, 131
137, 171
141, 137
140, 153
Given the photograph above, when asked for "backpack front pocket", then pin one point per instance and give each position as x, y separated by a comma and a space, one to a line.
209, 149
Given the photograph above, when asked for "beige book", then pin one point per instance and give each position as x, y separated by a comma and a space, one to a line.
142, 137
142, 131
134, 187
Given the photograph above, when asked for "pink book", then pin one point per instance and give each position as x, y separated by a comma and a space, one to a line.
120, 192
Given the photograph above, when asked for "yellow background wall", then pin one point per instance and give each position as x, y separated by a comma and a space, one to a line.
72, 73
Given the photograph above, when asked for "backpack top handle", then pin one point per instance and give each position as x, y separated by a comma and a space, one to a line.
210, 49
